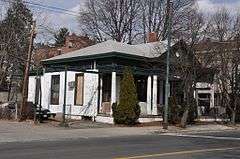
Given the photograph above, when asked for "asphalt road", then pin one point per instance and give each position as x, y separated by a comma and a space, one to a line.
148, 146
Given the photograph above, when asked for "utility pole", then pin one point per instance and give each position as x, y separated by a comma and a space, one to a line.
64, 124
38, 81
167, 86
26, 74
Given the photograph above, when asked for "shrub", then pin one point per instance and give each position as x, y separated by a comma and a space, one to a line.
127, 111
175, 111
6, 113
192, 115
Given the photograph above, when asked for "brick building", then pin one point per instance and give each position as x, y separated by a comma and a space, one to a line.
73, 42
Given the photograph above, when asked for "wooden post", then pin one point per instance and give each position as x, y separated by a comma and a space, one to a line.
26, 75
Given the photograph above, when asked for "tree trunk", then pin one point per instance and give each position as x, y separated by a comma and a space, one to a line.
184, 118
233, 119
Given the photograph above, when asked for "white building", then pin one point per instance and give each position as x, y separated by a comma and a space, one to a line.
93, 80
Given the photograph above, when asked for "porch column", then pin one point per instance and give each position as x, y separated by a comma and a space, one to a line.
212, 97
154, 96
196, 98
149, 95
100, 83
101, 91
113, 90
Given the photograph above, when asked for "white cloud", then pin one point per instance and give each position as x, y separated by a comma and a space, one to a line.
70, 21
209, 7
56, 20
49, 22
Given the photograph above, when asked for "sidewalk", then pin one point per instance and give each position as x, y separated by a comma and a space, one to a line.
27, 131
200, 128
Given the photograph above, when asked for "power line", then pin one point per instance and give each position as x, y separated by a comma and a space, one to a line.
48, 7
52, 8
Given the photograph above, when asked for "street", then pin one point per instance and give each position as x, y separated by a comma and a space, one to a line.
156, 146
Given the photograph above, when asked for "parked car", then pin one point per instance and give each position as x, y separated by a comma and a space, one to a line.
41, 113
44, 114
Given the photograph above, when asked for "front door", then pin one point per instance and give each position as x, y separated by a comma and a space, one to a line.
106, 94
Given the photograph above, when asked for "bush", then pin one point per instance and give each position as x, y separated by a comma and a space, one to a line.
127, 111
192, 115
5, 113
175, 111
238, 115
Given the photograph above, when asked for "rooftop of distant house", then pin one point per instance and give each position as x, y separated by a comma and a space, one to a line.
208, 44
73, 42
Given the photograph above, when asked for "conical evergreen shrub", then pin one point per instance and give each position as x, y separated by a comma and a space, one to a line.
127, 111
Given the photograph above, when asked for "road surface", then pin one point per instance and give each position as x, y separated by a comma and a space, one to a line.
158, 146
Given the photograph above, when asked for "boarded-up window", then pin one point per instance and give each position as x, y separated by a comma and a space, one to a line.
79, 89
55, 86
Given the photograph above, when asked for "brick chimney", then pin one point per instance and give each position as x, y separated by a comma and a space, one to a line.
152, 37
70, 40
59, 51
67, 40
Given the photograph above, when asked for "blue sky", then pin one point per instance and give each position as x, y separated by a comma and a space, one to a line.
56, 20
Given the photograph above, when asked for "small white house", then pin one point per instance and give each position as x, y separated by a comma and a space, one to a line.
93, 77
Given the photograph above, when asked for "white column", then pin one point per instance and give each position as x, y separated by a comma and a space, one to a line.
198, 108
101, 84
212, 96
154, 97
94, 65
149, 95
113, 90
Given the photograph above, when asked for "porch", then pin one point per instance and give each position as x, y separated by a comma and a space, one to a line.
150, 92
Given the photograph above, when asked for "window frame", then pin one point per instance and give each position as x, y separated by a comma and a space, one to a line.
51, 99
106, 88
75, 89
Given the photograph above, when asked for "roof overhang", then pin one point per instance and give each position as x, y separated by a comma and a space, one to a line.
95, 57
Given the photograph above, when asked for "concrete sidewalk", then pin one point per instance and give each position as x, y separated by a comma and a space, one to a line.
27, 131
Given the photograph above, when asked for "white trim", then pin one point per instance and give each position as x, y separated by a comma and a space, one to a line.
113, 90
109, 119
149, 95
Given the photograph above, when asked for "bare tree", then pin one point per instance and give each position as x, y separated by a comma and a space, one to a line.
124, 20
194, 28
224, 55
155, 16
110, 19
183, 66
220, 25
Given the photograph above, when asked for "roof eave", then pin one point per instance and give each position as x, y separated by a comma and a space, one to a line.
96, 56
